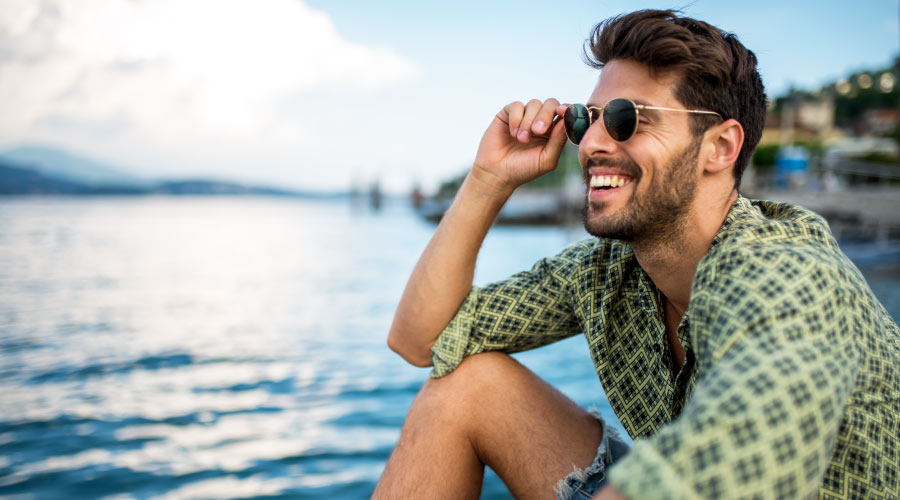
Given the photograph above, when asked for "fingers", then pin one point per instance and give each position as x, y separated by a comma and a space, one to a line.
534, 118
557, 141
514, 111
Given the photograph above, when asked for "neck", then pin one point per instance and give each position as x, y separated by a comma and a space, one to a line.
671, 263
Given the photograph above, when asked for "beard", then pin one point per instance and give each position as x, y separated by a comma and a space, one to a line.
656, 216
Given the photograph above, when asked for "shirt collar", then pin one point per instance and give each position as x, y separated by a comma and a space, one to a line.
739, 210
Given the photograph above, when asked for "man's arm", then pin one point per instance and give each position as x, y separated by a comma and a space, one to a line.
522, 143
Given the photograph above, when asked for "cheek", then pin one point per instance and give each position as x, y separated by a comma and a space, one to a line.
652, 157
650, 144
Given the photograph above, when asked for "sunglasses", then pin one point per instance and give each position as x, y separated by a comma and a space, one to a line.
620, 118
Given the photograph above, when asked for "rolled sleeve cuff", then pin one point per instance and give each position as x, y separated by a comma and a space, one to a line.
644, 473
452, 344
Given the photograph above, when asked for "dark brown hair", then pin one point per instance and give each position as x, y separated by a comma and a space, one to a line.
714, 70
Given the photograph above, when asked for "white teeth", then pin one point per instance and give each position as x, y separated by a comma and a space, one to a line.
608, 181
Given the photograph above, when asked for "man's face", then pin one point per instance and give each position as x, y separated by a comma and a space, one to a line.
657, 165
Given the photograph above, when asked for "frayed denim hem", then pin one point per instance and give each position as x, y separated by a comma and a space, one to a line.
573, 484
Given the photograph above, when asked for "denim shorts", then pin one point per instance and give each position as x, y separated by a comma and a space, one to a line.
584, 483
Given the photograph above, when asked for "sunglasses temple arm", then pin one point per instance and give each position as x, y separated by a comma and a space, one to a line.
658, 108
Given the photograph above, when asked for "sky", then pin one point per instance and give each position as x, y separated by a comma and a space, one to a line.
330, 94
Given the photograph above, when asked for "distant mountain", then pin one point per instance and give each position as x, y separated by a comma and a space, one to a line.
16, 179
47, 171
62, 165
210, 187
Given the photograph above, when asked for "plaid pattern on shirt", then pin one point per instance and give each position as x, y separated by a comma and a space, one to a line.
790, 386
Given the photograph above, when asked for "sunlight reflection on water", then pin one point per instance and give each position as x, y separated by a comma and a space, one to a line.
207, 347
219, 347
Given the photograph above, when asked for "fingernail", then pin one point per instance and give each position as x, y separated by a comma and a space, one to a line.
516, 132
523, 135
538, 126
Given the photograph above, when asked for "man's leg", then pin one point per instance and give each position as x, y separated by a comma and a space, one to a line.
491, 410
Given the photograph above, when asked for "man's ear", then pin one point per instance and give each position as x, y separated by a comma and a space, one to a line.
727, 139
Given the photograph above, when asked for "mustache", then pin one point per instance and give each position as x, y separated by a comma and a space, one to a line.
626, 166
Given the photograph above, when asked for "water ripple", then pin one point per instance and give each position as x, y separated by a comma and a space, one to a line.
62, 373
218, 348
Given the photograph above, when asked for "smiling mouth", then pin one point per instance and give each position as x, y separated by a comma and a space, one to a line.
608, 182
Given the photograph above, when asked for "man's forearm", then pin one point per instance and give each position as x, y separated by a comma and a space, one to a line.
442, 277
521, 143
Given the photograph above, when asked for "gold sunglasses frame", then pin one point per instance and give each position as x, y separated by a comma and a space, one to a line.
637, 116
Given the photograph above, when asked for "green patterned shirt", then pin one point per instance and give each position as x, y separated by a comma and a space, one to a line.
790, 386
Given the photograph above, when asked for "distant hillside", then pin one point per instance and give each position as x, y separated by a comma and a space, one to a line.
58, 164
16, 179
209, 187
25, 179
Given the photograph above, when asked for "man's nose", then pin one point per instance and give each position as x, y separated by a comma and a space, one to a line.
597, 140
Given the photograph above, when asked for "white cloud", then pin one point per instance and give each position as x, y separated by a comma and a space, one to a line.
175, 73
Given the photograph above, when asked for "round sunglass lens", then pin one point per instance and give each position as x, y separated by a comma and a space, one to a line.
577, 122
620, 119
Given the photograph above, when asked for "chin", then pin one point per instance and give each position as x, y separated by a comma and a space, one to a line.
603, 221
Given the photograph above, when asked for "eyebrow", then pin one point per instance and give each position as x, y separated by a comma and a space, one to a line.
639, 102
650, 114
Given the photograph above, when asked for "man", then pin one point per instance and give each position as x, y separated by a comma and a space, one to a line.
739, 347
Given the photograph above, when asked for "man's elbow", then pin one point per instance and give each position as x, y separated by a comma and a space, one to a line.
414, 355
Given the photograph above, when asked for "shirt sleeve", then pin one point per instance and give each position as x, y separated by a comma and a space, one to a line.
779, 360
528, 310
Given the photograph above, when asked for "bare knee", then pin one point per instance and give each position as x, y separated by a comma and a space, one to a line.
453, 396
488, 401
480, 366
475, 375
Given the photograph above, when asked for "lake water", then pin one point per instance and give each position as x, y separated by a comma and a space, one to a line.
227, 347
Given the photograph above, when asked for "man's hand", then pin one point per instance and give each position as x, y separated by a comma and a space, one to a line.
523, 142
